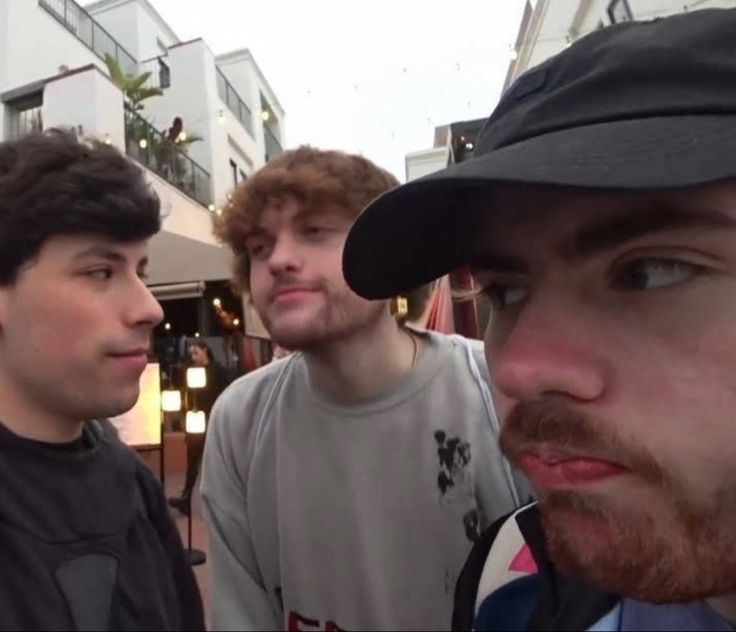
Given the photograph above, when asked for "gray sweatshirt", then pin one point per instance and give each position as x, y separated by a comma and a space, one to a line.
325, 516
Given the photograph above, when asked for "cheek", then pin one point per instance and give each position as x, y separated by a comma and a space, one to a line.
260, 286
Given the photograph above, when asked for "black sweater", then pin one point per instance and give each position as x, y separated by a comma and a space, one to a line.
86, 540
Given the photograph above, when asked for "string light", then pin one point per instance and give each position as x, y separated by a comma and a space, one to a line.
212, 208
167, 326
217, 302
143, 143
265, 115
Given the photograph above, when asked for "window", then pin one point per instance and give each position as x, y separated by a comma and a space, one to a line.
619, 11
164, 74
234, 169
25, 115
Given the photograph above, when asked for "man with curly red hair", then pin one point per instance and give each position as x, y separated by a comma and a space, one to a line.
343, 485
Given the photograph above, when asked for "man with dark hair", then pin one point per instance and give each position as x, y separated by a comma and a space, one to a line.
599, 215
345, 484
86, 541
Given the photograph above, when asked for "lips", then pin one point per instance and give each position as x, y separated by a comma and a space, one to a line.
134, 360
291, 292
550, 468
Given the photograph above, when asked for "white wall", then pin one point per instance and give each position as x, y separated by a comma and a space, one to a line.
553, 20
99, 113
133, 25
35, 45
422, 163
121, 21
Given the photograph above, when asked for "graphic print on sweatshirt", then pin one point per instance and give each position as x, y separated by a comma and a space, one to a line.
455, 483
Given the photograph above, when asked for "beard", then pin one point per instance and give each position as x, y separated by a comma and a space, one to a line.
678, 548
338, 316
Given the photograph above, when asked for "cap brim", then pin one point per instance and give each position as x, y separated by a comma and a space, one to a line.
424, 229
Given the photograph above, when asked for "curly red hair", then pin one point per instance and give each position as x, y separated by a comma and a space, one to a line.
316, 179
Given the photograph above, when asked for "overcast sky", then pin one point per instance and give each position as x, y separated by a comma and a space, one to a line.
370, 77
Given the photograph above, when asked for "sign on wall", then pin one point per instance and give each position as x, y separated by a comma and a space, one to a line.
141, 425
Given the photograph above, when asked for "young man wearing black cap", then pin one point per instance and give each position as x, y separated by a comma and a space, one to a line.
600, 217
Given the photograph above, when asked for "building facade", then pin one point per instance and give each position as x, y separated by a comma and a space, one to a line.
549, 26
53, 73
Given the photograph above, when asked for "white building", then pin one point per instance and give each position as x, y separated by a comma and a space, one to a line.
550, 25
52, 73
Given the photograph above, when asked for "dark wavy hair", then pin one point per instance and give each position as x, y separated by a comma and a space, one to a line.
52, 184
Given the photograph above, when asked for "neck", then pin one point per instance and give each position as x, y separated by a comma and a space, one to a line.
368, 363
26, 418
725, 605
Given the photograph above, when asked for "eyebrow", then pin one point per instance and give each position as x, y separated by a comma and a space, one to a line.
105, 252
612, 232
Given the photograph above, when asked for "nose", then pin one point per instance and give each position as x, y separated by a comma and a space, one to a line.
144, 311
285, 256
550, 349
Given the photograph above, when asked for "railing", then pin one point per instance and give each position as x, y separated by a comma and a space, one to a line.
160, 72
233, 101
154, 150
273, 146
81, 24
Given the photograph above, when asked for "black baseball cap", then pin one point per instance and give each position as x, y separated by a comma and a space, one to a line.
640, 105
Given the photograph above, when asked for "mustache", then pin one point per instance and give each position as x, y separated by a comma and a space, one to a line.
560, 425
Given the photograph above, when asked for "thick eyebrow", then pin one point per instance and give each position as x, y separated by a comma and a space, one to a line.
611, 232
615, 231
98, 251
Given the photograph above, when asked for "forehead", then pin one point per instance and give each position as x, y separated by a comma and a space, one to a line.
280, 211
515, 217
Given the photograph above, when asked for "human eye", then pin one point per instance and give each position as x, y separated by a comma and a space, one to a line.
504, 294
257, 247
99, 274
654, 273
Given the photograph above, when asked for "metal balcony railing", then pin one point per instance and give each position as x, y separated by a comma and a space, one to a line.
234, 103
87, 30
160, 72
153, 149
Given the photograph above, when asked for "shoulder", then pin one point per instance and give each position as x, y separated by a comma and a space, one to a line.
497, 558
251, 391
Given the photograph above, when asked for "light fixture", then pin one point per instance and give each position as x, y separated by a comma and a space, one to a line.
469, 146
143, 143
212, 208
266, 115
236, 322
217, 302
196, 377
196, 334
167, 326
196, 422
171, 401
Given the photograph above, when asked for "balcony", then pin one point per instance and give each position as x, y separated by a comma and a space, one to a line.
84, 27
160, 72
234, 103
273, 146
145, 144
